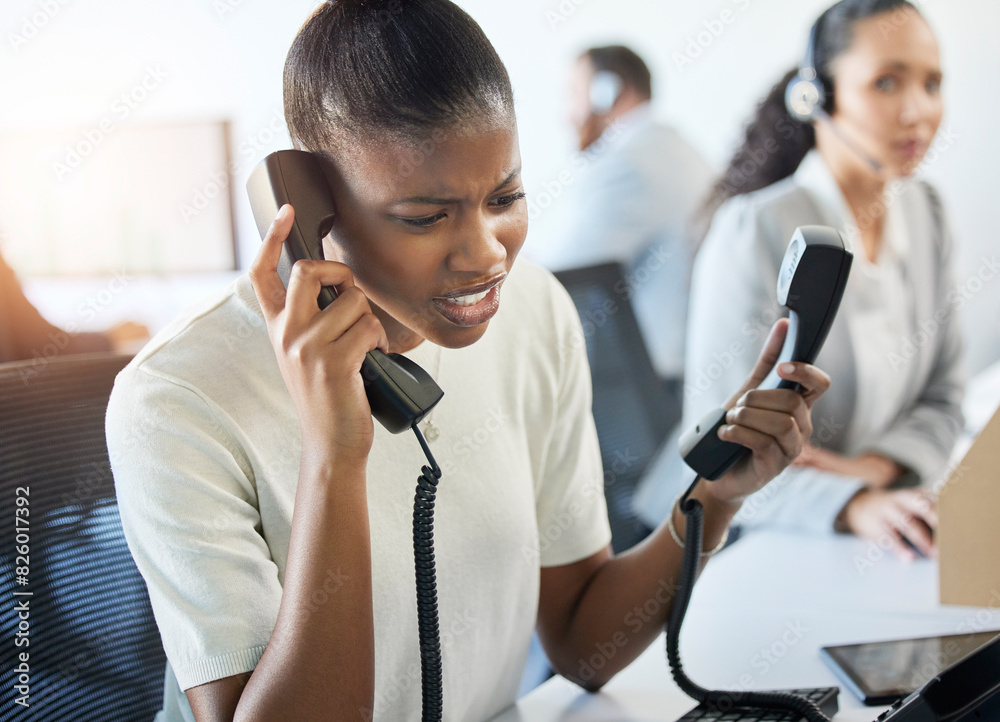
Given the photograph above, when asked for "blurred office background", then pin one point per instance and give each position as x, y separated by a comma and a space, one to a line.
168, 106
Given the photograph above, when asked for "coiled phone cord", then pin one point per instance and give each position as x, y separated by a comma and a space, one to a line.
717, 700
432, 694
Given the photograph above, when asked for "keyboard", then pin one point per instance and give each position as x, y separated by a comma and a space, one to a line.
823, 697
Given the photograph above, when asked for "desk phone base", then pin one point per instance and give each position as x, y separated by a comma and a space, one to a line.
824, 697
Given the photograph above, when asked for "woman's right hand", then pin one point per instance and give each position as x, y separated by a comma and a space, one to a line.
319, 352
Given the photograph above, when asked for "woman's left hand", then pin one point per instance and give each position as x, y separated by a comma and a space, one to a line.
875, 470
774, 424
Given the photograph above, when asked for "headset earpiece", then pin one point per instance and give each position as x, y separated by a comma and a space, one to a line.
605, 87
805, 97
805, 94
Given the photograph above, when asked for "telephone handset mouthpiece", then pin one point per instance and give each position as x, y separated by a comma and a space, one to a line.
811, 284
399, 392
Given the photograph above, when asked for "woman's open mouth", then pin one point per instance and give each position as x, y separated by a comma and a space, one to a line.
472, 308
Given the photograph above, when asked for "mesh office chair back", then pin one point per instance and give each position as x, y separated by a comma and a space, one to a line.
94, 649
633, 409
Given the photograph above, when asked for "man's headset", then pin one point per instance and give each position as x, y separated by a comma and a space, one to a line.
805, 96
605, 89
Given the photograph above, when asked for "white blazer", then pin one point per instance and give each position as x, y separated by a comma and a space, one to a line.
893, 352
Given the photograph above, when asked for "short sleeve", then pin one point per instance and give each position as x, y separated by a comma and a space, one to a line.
189, 510
571, 510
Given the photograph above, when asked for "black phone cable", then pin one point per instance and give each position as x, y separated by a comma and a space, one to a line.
716, 700
432, 694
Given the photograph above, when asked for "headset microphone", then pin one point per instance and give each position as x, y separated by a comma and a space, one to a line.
872, 163
804, 97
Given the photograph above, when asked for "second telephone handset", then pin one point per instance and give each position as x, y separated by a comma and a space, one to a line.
811, 283
399, 392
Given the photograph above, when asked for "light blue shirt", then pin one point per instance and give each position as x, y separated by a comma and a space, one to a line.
630, 200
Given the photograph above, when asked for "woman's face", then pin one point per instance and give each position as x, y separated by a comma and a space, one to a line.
431, 231
887, 91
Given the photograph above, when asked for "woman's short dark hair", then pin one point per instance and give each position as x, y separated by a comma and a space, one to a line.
390, 69
775, 143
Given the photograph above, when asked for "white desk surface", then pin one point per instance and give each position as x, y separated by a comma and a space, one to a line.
758, 617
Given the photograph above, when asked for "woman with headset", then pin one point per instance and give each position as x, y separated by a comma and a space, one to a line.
839, 142
271, 517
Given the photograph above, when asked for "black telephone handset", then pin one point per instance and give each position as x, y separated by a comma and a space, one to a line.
811, 284
967, 690
399, 392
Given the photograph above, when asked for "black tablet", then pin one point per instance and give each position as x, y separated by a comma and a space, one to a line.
880, 673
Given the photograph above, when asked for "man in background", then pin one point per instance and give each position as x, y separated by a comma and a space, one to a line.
632, 201
24, 334
637, 184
